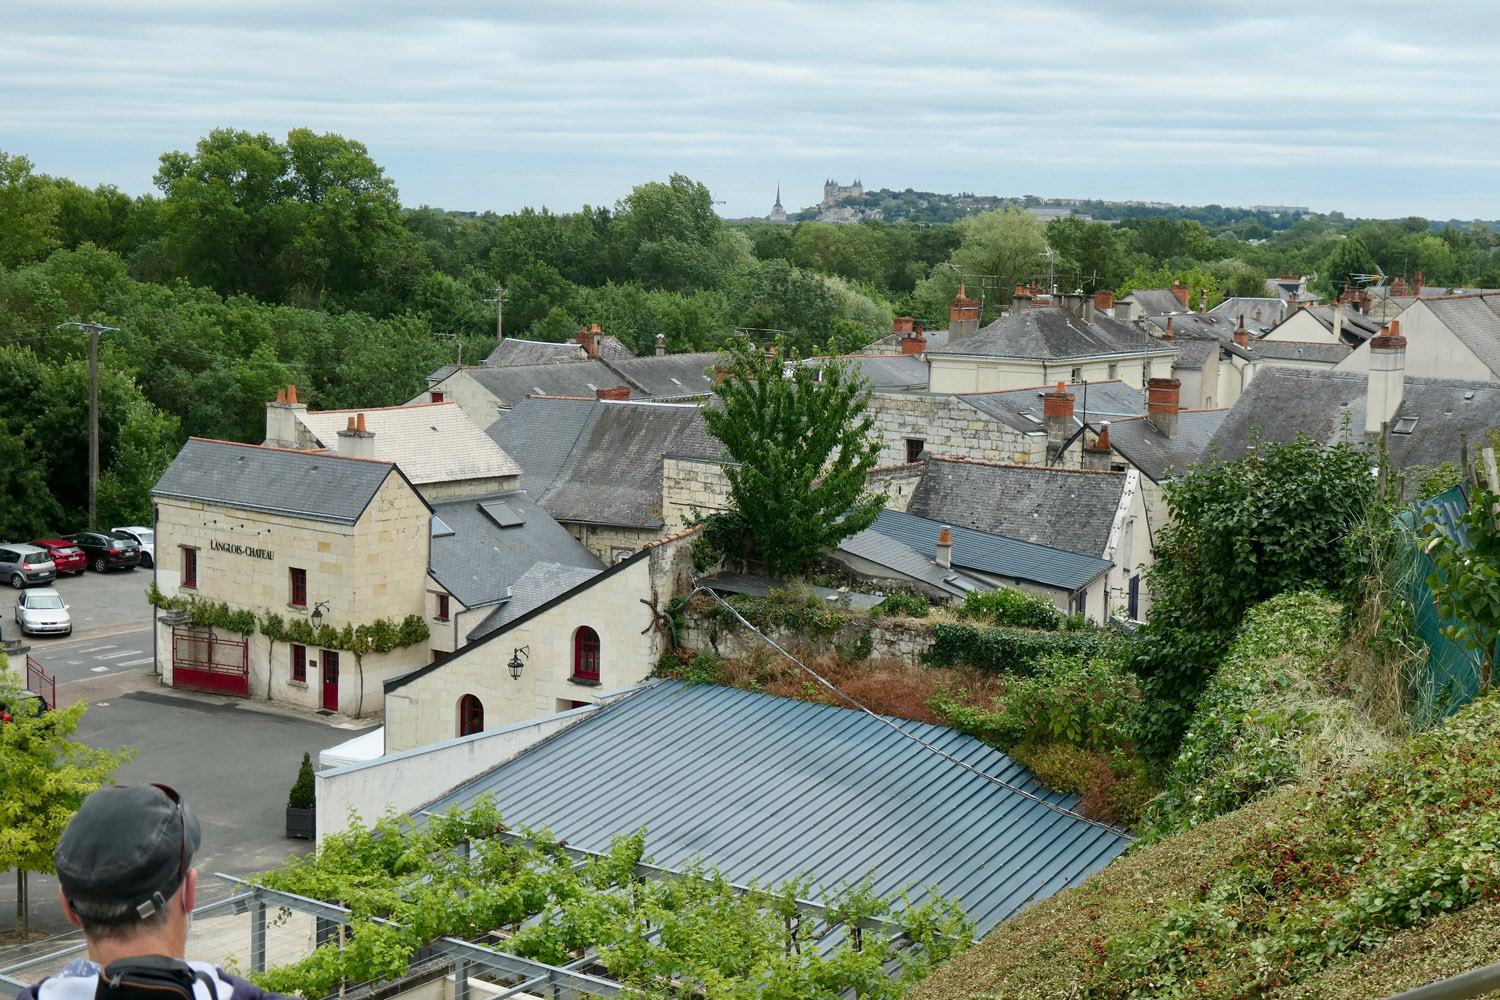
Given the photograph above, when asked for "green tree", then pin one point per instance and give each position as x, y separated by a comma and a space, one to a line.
804, 443
1348, 258
1467, 581
997, 251
44, 777
28, 212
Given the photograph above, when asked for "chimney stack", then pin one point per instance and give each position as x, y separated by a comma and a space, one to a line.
355, 441
281, 419
1182, 292
1021, 300
1104, 301
1057, 418
903, 324
1168, 335
1241, 335
1203, 300
944, 556
585, 340
963, 316
1386, 387
913, 343
617, 392
1338, 321
1416, 284
1163, 396
1292, 303
661, 344
1096, 455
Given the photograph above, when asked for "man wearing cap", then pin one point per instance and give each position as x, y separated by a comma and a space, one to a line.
125, 875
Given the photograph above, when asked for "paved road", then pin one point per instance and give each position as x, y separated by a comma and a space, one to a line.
233, 760
78, 659
100, 603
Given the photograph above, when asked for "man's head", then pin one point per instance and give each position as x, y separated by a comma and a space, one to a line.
123, 859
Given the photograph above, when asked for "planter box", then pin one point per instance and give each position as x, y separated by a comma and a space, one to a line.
301, 823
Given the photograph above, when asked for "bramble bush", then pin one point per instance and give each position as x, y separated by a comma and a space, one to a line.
1008, 606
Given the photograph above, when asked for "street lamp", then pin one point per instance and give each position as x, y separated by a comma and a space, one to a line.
515, 666
317, 614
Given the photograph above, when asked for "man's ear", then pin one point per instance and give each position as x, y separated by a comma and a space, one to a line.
189, 890
67, 908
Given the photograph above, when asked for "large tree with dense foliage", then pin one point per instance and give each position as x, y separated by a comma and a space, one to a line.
803, 443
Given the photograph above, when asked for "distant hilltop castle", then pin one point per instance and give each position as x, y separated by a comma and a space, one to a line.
834, 192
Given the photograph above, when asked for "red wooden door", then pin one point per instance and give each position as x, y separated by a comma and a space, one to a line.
330, 680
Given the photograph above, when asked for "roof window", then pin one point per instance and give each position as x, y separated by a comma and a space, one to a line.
1404, 425
501, 513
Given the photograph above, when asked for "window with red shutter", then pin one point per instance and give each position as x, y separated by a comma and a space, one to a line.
586, 654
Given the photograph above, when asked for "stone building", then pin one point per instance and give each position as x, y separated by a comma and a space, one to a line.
834, 192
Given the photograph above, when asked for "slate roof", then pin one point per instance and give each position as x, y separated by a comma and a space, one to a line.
1258, 311
443, 373
1156, 301
905, 561
1295, 350
1475, 320
1193, 354
766, 788
531, 590
1064, 508
432, 442
1158, 456
514, 351
987, 552
541, 433
513, 383
1207, 326
1279, 402
885, 371
481, 559
1022, 408
313, 485
667, 376
1051, 333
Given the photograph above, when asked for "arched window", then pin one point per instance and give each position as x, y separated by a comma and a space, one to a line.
585, 654
470, 715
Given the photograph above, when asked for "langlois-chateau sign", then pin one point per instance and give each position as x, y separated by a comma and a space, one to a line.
240, 550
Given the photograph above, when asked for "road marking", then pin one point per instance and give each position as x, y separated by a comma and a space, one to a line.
97, 649
136, 663
98, 670
74, 663
116, 656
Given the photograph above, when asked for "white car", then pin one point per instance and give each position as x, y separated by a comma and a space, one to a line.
146, 538
42, 612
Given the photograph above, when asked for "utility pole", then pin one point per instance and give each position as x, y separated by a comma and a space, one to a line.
499, 301
94, 330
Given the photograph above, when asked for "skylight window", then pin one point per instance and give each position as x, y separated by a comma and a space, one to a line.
502, 514
1404, 425
439, 528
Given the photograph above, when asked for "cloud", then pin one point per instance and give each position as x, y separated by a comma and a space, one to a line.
486, 105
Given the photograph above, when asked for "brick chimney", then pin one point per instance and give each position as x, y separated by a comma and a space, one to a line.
963, 316
1398, 287
1292, 304
904, 324
1057, 418
1241, 335
1162, 403
944, 555
281, 419
1096, 456
1021, 300
1203, 300
1168, 335
913, 342
1386, 387
618, 392
1182, 292
1416, 283
661, 344
355, 441
586, 340
1104, 301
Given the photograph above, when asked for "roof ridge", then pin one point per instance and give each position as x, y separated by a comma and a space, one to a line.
377, 409
1017, 465
311, 452
1028, 388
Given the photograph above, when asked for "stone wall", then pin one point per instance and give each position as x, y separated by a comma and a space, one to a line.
948, 428
691, 485
475, 400
610, 543
906, 639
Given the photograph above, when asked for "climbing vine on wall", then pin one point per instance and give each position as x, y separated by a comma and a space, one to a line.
379, 636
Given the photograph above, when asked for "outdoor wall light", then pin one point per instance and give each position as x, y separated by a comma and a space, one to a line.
515, 665
317, 613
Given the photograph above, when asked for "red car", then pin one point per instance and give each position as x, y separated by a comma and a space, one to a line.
68, 557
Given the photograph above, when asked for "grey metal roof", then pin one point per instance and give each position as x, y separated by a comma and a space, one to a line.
1065, 508
755, 585
316, 485
1051, 333
1159, 456
905, 561
481, 559
1475, 320
766, 788
514, 351
988, 552
614, 475
513, 383
1156, 301
531, 590
1022, 408
1329, 406
667, 376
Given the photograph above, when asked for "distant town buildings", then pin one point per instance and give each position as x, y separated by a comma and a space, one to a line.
834, 192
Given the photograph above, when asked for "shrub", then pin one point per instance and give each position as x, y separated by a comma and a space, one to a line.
303, 794
1006, 650
911, 605
1008, 606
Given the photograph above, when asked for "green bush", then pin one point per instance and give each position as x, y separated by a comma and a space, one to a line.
1008, 606
303, 794
910, 605
1006, 650
1088, 702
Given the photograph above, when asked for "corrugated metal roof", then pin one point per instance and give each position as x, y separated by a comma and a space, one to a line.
767, 788
998, 555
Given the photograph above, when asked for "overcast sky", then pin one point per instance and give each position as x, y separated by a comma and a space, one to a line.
1371, 108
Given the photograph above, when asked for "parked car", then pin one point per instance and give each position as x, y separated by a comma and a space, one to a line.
110, 550
22, 703
25, 565
145, 538
42, 612
67, 557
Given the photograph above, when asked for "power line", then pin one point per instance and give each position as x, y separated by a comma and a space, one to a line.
884, 720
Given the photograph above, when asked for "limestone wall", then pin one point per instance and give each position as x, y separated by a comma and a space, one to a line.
949, 428
610, 544
906, 639
691, 485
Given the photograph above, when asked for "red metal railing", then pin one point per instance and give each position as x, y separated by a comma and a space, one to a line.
39, 681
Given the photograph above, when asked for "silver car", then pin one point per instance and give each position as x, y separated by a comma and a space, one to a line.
24, 565
42, 612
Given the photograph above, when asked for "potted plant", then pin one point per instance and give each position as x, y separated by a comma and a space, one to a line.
301, 803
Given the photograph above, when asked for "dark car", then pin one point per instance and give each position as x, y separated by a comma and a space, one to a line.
67, 557
22, 703
109, 550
